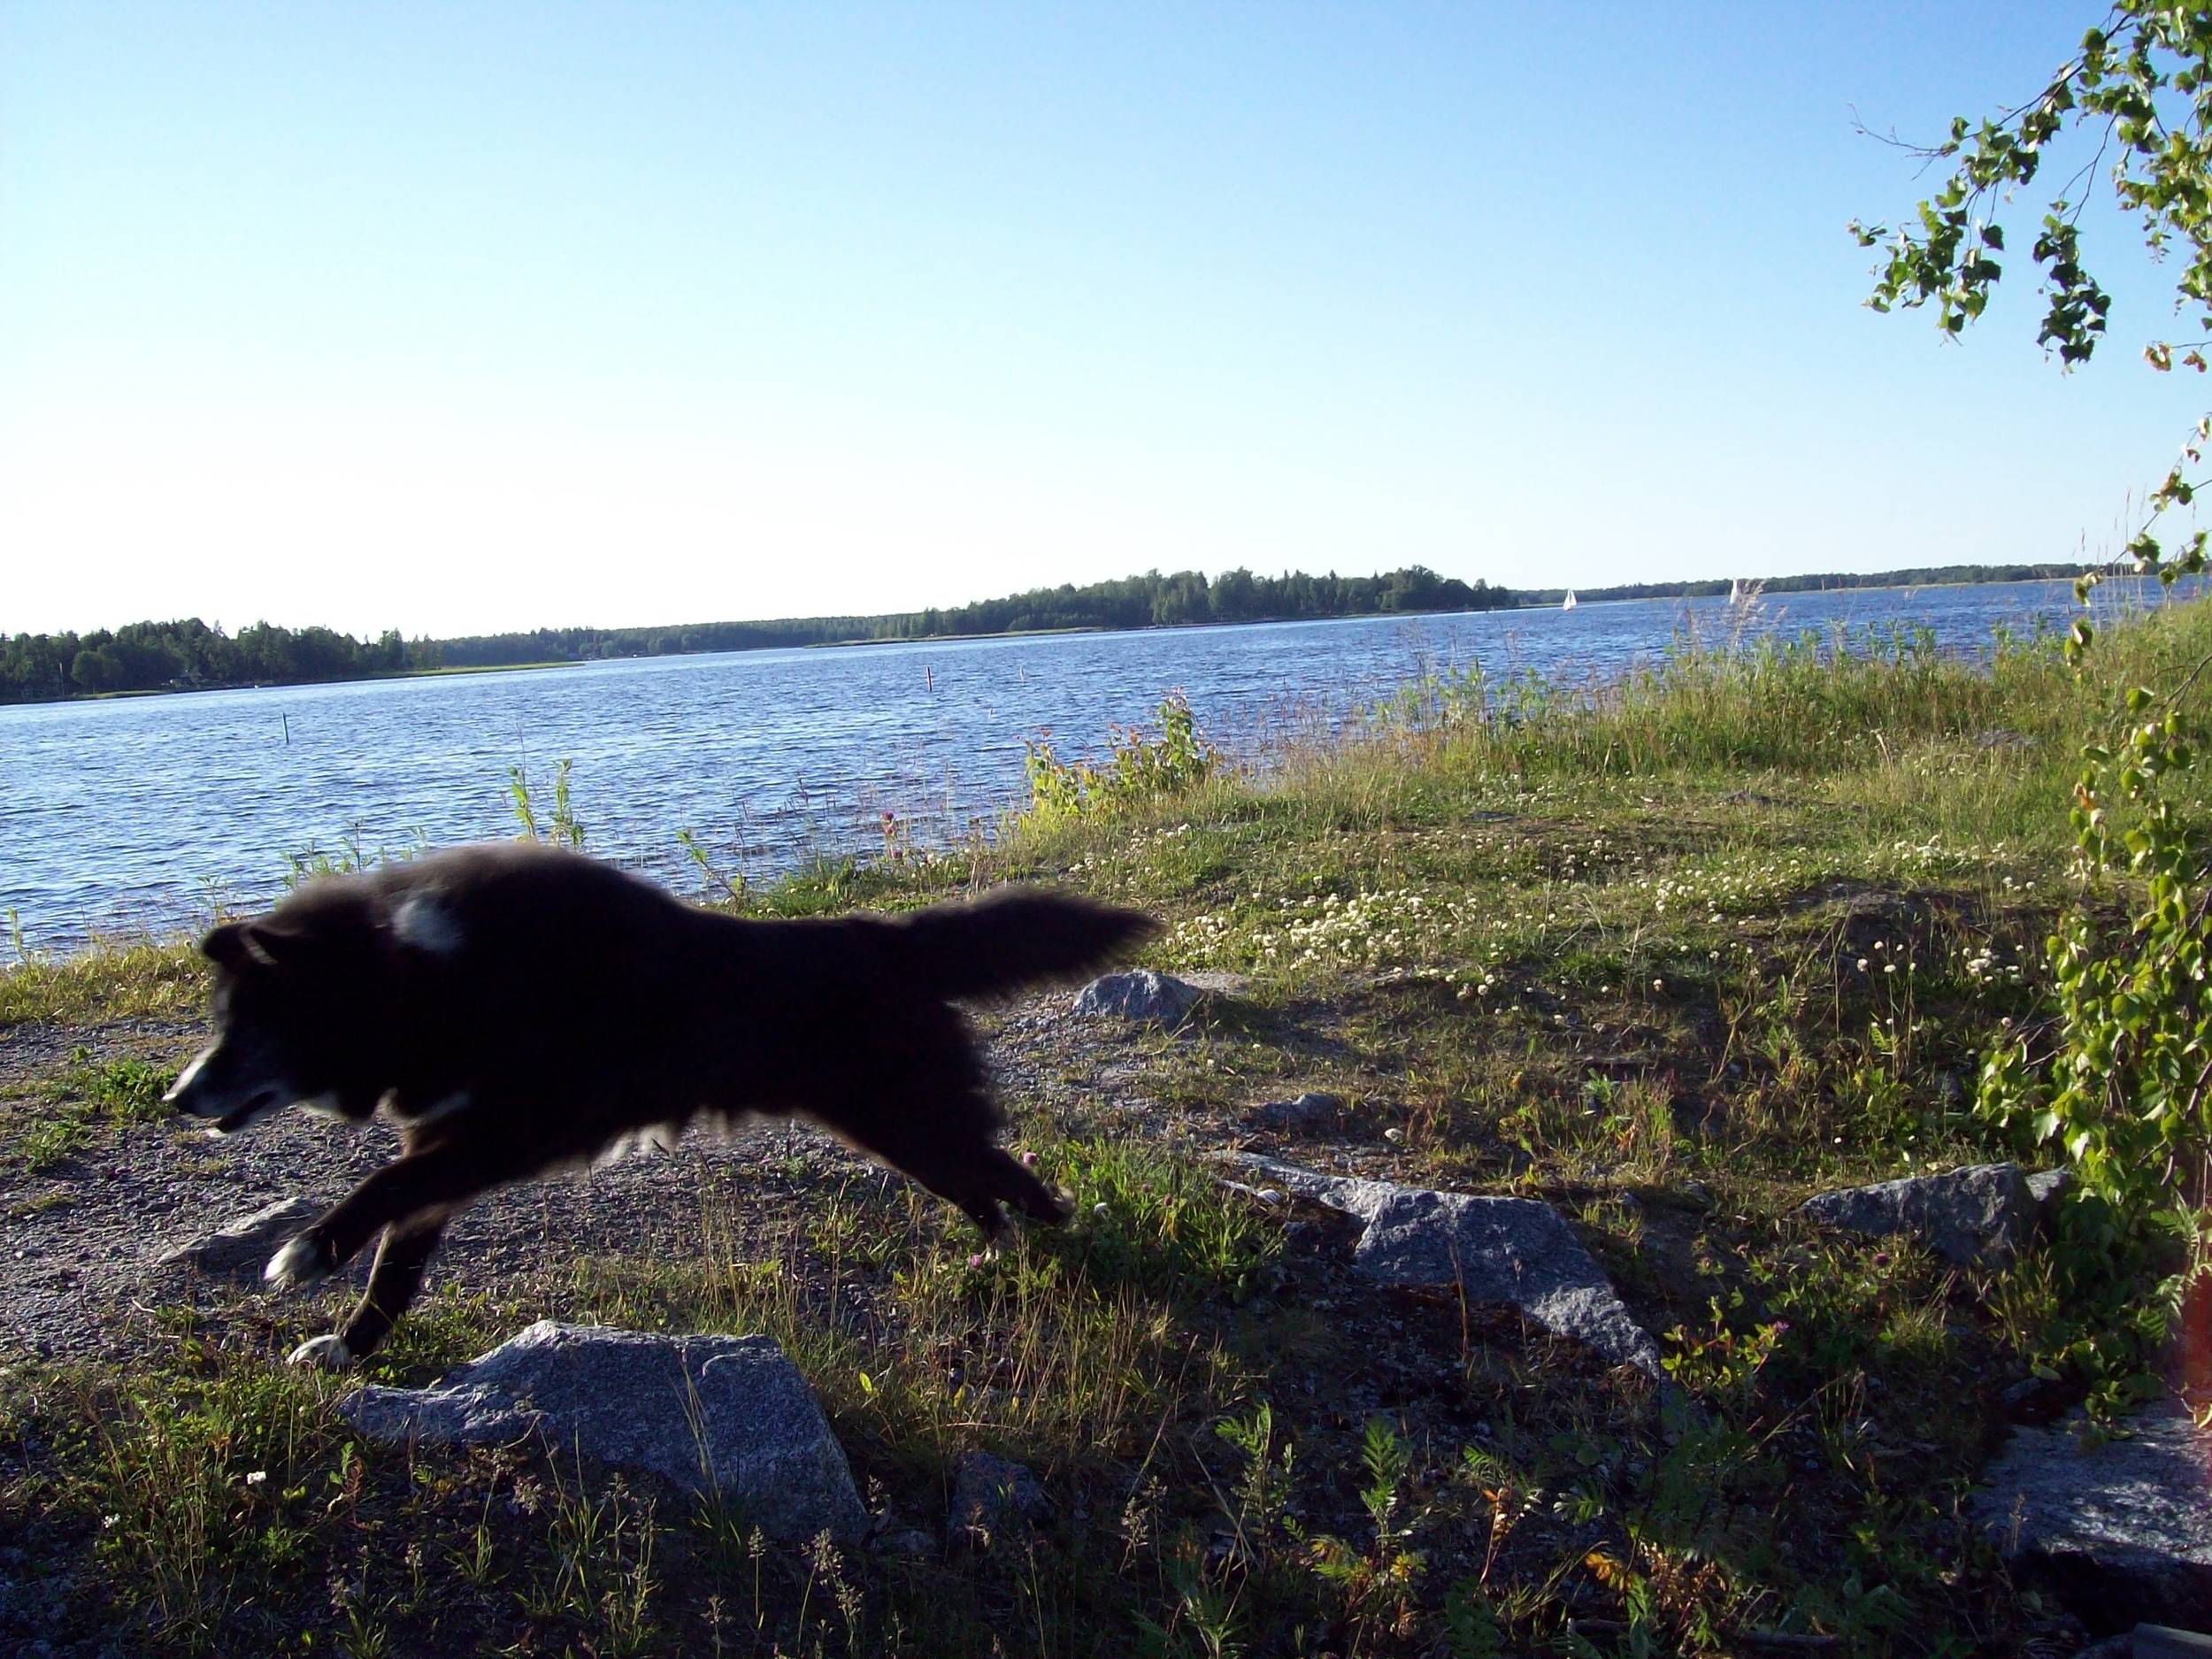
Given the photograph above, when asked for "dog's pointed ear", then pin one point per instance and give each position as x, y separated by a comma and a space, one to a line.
243, 945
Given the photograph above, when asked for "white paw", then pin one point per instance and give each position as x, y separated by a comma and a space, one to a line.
330, 1353
301, 1261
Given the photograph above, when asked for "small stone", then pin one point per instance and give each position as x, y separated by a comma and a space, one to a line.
989, 1493
1214, 982
905, 1544
238, 1248
1302, 1115
2119, 1529
1516, 1251
2037, 1399
1968, 1216
727, 1415
2163, 1641
1139, 995
2048, 1187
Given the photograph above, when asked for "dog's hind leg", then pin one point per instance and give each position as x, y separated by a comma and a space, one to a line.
418, 1187
953, 1154
402, 1255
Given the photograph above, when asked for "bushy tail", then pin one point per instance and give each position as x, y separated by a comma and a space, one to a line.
1015, 937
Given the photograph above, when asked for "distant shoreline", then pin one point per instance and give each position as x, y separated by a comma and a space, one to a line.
1524, 600
1551, 598
290, 685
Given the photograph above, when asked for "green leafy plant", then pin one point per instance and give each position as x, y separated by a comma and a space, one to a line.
1140, 768
1377, 1584
2126, 1094
1723, 1364
561, 827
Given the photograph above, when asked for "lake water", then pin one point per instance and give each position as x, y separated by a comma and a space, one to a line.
145, 812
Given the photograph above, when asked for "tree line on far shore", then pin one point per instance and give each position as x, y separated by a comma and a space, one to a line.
1928, 576
190, 654
182, 655
187, 654
1151, 599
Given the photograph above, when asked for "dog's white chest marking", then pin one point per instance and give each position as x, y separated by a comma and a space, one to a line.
425, 925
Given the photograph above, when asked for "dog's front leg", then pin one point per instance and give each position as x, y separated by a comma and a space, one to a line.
402, 1255
418, 1186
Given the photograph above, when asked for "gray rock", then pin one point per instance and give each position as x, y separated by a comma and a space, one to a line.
1303, 1115
989, 1493
2046, 1187
1515, 1251
728, 1416
2161, 1641
1140, 995
1216, 982
2121, 1530
1979, 1214
238, 1249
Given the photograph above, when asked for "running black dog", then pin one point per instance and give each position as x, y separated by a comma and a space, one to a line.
516, 1009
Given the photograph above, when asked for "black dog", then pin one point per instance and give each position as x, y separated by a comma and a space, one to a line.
516, 1009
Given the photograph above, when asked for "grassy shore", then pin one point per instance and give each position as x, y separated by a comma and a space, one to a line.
1671, 958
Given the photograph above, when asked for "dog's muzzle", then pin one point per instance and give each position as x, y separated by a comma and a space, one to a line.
202, 1090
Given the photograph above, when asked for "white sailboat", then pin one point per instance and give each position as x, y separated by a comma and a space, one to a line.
1736, 594
1568, 604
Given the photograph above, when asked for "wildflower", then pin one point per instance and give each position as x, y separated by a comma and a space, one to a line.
256, 1476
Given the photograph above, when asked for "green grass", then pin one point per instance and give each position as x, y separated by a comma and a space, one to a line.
84, 1093
1671, 954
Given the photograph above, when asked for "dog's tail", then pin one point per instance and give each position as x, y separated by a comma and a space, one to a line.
1015, 937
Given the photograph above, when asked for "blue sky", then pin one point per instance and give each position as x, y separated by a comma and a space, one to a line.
459, 318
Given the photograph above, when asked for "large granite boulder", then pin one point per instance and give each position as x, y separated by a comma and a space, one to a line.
1971, 1216
2121, 1528
727, 1416
1515, 1251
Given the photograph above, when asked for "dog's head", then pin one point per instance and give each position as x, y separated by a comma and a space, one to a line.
295, 1010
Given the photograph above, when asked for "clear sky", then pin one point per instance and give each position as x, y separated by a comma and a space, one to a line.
460, 318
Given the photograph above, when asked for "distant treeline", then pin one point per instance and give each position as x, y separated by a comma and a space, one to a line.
183, 655
1933, 576
188, 655
177, 655
1134, 602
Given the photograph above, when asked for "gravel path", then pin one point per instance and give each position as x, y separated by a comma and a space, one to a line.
80, 1264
